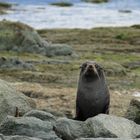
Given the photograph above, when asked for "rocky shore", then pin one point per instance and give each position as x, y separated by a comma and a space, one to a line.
33, 124
42, 70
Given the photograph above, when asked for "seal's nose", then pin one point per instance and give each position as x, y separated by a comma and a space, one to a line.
90, 66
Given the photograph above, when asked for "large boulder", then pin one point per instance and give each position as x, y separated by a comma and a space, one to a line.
28, 126
104, 126
19, 138
106, 139
69, 129
57, 114
10, 100
14, 63
108, 126
133, 112
44, 116
18, 37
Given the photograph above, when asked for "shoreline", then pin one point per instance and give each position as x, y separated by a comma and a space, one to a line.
93, 16
4, 7
100, 27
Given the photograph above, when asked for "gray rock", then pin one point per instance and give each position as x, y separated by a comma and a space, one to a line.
14, 63
20, 138
17, 137
106, 139
58, 50
44, 116
132, 65
133, 112
19, 37
10, 99
57, 114
70, 129
105, 126
108, 126
1, 137
28, 126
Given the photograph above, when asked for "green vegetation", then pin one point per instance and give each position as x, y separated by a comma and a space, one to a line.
117, 49
18, 37
62, 4
112, 47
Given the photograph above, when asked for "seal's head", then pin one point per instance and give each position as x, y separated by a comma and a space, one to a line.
91, 69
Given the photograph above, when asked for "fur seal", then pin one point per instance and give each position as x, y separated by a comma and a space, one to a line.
93, 95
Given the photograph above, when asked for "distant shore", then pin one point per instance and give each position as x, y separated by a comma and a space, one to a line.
71, 15
4, 7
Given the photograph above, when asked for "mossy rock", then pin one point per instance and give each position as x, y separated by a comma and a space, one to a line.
133, 112
59, 49
114, 69
19, 37
14, 63
95, 1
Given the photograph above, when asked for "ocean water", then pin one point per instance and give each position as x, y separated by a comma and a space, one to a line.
39, 14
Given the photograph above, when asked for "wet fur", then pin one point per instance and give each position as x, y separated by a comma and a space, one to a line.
92, 95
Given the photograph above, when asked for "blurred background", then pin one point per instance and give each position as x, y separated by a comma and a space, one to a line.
44, 42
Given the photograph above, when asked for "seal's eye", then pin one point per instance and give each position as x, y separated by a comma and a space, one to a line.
83, 66
98, 67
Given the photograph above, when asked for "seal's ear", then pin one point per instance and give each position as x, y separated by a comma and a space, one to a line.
83, 65
99, 67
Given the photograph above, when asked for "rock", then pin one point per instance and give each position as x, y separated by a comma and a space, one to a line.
20, 138
108, 126
104, 126
16, 137
14, 63
10, 99
53, 112
125, 11
106, 139
114, 69
1, 137
95, 1
19, 37
70, 129
133, 112
44, 116
58, 50
28, 126
132, 65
